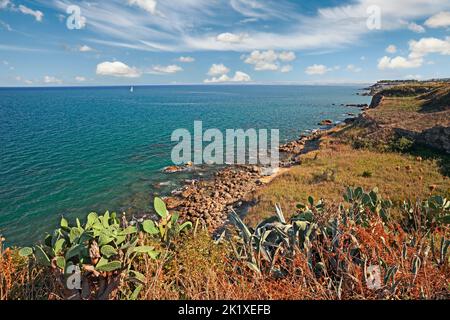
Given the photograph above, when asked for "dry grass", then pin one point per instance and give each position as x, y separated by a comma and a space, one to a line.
397, 176
21, 279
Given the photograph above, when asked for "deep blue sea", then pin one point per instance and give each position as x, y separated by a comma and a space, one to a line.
71, 151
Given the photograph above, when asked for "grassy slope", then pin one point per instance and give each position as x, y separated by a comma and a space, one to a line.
398, 176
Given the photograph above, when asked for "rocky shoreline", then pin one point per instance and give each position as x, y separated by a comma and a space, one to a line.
210, 201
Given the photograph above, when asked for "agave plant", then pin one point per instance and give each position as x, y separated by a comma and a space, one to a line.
335, 241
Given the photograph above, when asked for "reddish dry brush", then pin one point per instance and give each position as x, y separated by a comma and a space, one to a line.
20, 278
331, 264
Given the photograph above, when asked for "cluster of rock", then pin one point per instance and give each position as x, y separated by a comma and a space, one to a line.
175, 169
211, 201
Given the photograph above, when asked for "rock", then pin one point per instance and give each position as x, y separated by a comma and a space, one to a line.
172, 203
266, 172
326, 122
173, 169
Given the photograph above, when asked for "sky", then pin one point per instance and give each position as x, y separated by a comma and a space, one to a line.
134, 42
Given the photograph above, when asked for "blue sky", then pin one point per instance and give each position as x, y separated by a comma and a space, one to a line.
115, 42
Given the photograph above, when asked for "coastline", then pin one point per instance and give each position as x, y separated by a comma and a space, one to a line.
210, 201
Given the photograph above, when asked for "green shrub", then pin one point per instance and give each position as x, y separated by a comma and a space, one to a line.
401, 144
367, 174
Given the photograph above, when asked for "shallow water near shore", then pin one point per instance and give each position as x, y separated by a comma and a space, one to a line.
71, 151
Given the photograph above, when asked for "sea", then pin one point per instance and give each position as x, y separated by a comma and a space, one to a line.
71, 151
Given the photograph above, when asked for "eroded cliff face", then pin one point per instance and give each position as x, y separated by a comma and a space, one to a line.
437, 137
421, 114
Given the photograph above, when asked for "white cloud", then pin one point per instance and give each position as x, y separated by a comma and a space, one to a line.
418, 50
286, 68
239, 76
391, 49
413, 77
173, 68
117, 69
218, 69
416, 27
52, 80
228, 37
353, 68
38, 15
317, 69
268, 60
398, 63
186, 59
85, 48
5, 26
426, 46
4, 4
439, 20
177, 26
80, 79
287, 56
147, 5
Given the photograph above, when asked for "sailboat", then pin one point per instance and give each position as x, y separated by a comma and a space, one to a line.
132, 89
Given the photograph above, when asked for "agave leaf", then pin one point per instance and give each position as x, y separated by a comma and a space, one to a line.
138, 276
445, 219
311, 201
136, 292
185, 225
241, 225
254, 267
280, 214
160, 208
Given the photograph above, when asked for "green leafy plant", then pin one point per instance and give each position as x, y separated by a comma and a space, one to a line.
426, 214
168, 225
103, 248
401, 144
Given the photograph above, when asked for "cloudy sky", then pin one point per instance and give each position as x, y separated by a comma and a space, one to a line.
69, 42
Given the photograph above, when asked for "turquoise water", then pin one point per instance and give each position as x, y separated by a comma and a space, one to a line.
70, 151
